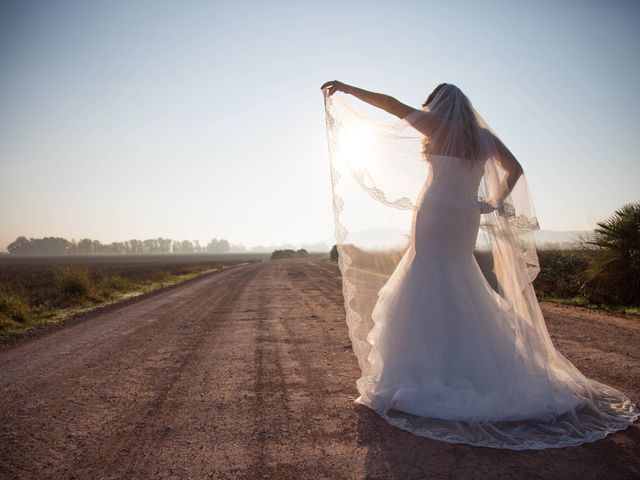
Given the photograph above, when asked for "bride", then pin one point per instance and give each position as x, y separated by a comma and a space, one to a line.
449, 350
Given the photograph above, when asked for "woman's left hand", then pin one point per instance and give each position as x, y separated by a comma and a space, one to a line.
485, 207
335, 86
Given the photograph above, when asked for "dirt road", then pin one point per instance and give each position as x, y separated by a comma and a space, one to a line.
248, 373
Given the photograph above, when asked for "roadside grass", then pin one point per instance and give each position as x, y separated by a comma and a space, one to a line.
580, 301
77, 293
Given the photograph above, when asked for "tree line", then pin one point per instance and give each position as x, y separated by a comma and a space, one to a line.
86, 246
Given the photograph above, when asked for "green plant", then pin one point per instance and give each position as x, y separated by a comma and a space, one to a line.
613, 274
73, 283
161, 275
116, 283
14, 307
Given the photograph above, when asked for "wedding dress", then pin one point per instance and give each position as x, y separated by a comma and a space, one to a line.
443, 352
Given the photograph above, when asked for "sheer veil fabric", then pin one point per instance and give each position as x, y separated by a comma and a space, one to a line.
440, 306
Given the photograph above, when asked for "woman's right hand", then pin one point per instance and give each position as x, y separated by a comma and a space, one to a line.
335, 86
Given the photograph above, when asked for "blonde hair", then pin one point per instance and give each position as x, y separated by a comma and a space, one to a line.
470, 125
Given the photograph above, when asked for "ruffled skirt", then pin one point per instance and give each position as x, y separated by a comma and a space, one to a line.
451, 360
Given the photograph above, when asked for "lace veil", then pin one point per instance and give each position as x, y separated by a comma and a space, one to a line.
379, 170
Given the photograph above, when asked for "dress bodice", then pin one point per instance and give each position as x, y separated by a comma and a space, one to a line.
453, 182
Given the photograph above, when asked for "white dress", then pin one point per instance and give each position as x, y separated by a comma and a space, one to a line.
444, 351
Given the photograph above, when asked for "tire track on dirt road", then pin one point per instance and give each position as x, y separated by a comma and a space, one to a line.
100, 381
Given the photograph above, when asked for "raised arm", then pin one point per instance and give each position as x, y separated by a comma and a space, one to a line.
380, 100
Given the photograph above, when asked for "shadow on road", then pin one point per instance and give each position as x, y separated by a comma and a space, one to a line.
398, 454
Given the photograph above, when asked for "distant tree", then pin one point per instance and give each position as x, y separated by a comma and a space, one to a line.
84, 247
137, 246
98, 246
115, 248
333, 255
53, 245
151, 245
184, 246
218, 246
20, 246
39, 246
164, 245
237, 247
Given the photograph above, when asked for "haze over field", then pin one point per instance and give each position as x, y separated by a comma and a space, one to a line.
204, 119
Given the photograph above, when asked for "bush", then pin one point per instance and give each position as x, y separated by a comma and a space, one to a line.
116, 283
160, 275
561, 273
334, 255
613, 274
73, 283
14, 307
287, 253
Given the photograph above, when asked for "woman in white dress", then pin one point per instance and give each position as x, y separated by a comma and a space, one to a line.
443, 353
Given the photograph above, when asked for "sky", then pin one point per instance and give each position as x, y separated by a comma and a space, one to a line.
202, 119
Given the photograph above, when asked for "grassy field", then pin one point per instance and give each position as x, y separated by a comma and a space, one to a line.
36, 291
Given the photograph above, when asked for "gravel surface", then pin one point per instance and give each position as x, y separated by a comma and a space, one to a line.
248, 373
